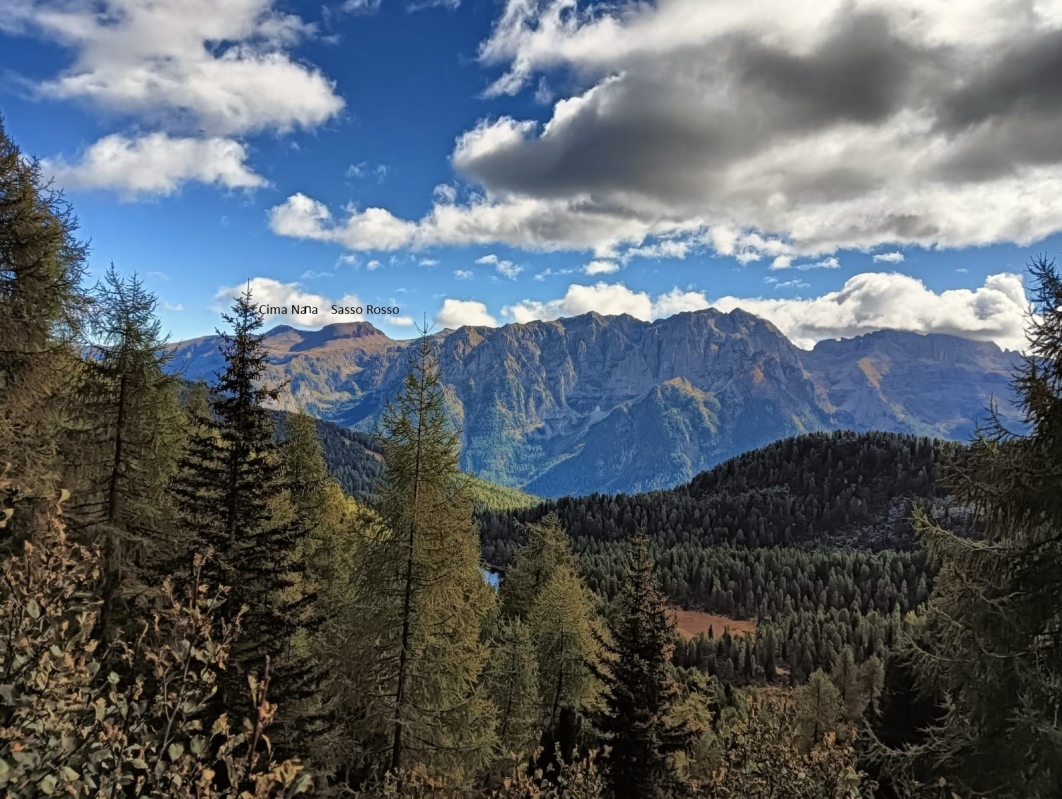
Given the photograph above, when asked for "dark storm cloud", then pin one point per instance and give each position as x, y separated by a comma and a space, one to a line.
863, 72
1007, 114
1026, 80
663, 128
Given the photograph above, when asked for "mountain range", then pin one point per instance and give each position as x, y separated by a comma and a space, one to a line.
612, 403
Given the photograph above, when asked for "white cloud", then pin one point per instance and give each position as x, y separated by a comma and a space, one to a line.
266, 291
609, 299
372, 265
526, 223
463, 274
371, 229
444, 194
889, 258
428, 262
400, 321
505, 268
818, 126
880, 300
311, 274
826, 263
600, 268
156, 164
223, 68
361, 6
175, 307
457, 313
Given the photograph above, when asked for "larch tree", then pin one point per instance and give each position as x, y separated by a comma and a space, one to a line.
818, 708
990, 642
124, 449
565, 632
420, 599
41, 304
511, 678
640, 694
546, 551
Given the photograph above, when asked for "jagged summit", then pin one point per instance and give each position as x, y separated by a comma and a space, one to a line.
593, 402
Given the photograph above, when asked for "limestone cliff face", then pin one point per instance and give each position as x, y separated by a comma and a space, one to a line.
597, 403
934, 385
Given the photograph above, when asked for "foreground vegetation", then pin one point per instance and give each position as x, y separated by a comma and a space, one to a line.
191, 605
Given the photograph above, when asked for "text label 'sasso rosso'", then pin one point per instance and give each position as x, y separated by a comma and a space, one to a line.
338, 310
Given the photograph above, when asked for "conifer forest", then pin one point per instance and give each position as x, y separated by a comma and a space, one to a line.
206, 593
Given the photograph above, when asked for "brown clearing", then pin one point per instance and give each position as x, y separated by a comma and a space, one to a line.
691, 622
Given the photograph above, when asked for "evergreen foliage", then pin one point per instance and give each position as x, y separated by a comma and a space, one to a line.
419, 602
990, 642
41, 307
639, 693
229, 481
125, 448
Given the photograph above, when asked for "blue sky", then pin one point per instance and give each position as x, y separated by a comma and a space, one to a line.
836, 167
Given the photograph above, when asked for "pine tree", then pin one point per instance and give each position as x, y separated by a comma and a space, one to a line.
41, 305
420, 600
990, 640
230, 478
640, 693
124, 447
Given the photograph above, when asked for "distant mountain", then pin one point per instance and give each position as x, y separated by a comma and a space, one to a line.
595, 403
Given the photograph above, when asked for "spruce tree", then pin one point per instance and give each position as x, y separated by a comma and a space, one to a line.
990, 641
229, 481
640, 693
420, 600
124, 446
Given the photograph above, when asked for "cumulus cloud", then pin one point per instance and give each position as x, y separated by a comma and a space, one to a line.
223, 68
888, 300
762, 130
458, 313
463, 274
525, 223
609, 299
600, 268
266, 291
889, 258
156, 164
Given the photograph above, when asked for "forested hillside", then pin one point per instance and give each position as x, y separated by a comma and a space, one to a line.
356, 461
811, 535
849, 488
